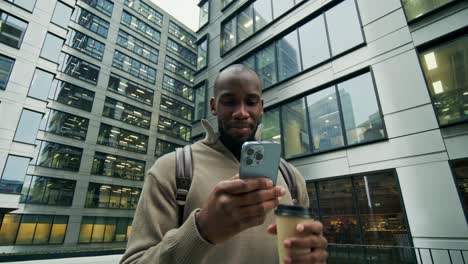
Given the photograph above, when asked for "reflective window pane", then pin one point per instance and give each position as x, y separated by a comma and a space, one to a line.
48, 191
179, 69
344, 27
104, 6
67, 125
446, 71
126, 113
57, 156
25, 4
460, 171
57, 234
204, 14
324, 119
85, 44
98, 230
40, 85
281, 6
141, 27
176, 108
200, 101
86, 229
6, 65
228, 35
271, 126
91, 22
182, 34
266, 66
51, 47
417, 8
174, 129
130, 89
72, 95
202, 60
118, 166
137, 46
314, 42
177, 87
26, 230
289, 61
134, 67
13, 174
78, 68
263, 13
163, 147
12, 30
123, 139
111, 196
27, 126
295, 128
150, 13
362, 119
9, 228
224, 3
249, 62
182, 52
245, 25
62, 14
95, 229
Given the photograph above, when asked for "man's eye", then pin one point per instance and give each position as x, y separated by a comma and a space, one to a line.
252, 102
229, 102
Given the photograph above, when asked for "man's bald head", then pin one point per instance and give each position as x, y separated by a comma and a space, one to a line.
236, 75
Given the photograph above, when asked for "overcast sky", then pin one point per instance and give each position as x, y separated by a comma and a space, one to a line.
186, 11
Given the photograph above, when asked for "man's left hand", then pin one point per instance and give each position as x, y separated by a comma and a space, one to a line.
311, 237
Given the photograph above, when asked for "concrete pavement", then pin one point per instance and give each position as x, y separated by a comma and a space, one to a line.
110, 259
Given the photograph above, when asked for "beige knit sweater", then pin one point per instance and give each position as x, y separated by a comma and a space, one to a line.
156, 236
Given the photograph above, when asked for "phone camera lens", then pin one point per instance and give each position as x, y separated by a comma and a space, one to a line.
250, 152
248, 161
259, 156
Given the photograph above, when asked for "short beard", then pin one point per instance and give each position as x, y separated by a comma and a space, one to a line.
233, 144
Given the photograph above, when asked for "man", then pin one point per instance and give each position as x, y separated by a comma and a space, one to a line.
227, 219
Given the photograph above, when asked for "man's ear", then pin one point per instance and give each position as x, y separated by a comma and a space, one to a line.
213, 106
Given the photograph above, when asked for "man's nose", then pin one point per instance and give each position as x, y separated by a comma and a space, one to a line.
241, 112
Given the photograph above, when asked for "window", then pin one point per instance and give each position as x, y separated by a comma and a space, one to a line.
85, 44
281, 6
179, 69
344, 27
32, 229
126, 113
228, 35
245, 25
40, 85
62, 14
78, 68
263, 13
204, 15
47, 191
51, 47
173, 128
111, 196
12, 30
289, 61
104, 6
176, 108
141, 27
134, 67
97, 229
271, 126
313, 34
266, 66
123, 139
72, 95
295, 125
445, 68
27, 126
163, 147
177, 87
182, 34
150, 13
57, 156
225, 3
118, 166
65, 124
25, 4
182, 52
460, 171
13, 175
137, 46
6, 65
200, 101
91, 22
130, 89
202, 60
418, 8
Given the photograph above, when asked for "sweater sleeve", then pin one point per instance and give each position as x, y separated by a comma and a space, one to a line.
156, 236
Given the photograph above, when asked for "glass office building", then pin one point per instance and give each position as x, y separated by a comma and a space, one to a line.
91, 94
369, 100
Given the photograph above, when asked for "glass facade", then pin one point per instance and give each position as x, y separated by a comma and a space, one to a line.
13, 174
65, 124
111, 196
314, 34
202, 61
176, 108
417, 8
47, 191
118, 167
137, 46
12, 30
126, 113
182, 34
445, 68
25, 4
287, 49
163, 147
224, 3
78, 68
295, 128
28, 126
6, 66
174, 129
177, 87
72, 95
62, 14
98, 229
271, 126
150, 13
85, 44
204, 14
29, 229
130, 89
122, 139
182, 52
58, 156
200, 101
52, 47
141, 27
460, 173
134, 67
91, 22
104, 6
179, 69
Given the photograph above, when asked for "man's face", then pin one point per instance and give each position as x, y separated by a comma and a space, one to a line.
238, 106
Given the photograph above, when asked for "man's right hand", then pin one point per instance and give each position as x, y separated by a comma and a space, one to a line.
235, 205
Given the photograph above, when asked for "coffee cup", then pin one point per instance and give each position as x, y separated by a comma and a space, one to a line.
287, 219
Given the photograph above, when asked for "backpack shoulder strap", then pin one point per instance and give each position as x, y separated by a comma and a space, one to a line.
184, 170
287, 172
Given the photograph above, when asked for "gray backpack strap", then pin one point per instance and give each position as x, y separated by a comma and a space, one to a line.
287, 172
183, 177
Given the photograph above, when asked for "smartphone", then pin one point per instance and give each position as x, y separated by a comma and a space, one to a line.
260, 159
